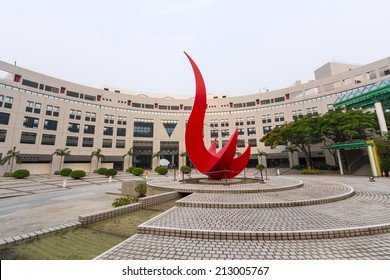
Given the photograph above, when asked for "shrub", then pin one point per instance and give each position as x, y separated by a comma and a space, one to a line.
9, 174
77, 174
125, 200
141, 189
185, 169
111, 172
311, 171
130, 169
298, 167
21, 174
260, 166
65, 171
137, 171
162, 170
102, 171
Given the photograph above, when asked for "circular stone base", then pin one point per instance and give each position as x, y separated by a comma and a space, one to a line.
220, 182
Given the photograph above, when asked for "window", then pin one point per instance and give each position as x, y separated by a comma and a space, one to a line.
107, 130
8, 102
3, 134
250, 120
214, 133
330, 108
52, 89
214, 123
266, 118
143, 128
241, 131
74, 127
87, 142
239, 121
121, 131
225, 123
90, 116
49, 110
1, 100
224, 133
241, 143
251, 131
30, 122
252, 142
28, 138
109, 119
37, 108
120, 144
48, 139
107, 143
89, 129
72, 93
122, 120
50, 125
4, 118
29, 83
266, 129
30, 106
279, 117
75, 114
72, 141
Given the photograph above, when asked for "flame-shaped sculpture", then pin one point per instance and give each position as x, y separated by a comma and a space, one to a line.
216, 165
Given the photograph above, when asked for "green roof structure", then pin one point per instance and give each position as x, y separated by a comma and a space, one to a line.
348, 145
365, 97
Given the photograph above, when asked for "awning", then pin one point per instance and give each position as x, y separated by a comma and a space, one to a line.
349, 145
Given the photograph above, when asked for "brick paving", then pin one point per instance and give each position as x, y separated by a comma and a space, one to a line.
356, 226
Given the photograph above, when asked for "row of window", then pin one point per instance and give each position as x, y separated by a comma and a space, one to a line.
241, 143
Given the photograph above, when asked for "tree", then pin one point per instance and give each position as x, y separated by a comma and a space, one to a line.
61, 153
291, 148
12, 155
130, 154
339, 127
98, 154
303, 133
260, 154
183, 155
157, 155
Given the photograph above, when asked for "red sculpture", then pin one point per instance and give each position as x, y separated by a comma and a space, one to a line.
216, 165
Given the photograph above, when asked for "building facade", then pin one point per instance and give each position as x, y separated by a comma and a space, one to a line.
39, 114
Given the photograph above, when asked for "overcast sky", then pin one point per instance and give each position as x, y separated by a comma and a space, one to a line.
240, 46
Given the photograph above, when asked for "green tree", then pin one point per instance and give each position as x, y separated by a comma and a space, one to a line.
98, 154
157, 155
61, 153
183, 156
338, 126
260, 154
12, 155
130, 154
303, 133
291, 148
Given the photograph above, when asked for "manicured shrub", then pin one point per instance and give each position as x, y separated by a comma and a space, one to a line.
259, 166
311, 171
111, 172
102, 171
21, 174
65, 171
130, 169
162, 170
125, 200
137, 171
141, 189
77, 174
185, 169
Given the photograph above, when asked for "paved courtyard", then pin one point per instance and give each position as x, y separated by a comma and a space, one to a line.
300, 217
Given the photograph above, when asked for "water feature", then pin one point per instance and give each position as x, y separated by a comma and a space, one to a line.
86, 242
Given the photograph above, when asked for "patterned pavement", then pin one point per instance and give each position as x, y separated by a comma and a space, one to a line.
353, 224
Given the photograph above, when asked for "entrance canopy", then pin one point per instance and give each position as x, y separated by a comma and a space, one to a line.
365, 97
349, 145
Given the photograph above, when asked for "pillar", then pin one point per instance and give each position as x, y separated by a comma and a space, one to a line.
381, 118
372, 161
340, 162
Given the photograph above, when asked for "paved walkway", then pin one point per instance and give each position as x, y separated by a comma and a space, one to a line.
353, 224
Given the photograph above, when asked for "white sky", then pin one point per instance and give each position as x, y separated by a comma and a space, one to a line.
240, 46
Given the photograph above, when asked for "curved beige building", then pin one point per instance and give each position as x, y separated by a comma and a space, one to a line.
39, 114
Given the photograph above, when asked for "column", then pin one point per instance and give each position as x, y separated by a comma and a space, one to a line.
381, 118
372, 161
340, 162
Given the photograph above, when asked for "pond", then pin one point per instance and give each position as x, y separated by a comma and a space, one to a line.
83, 243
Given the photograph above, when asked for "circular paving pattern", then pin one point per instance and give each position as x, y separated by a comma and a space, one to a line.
307, 217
